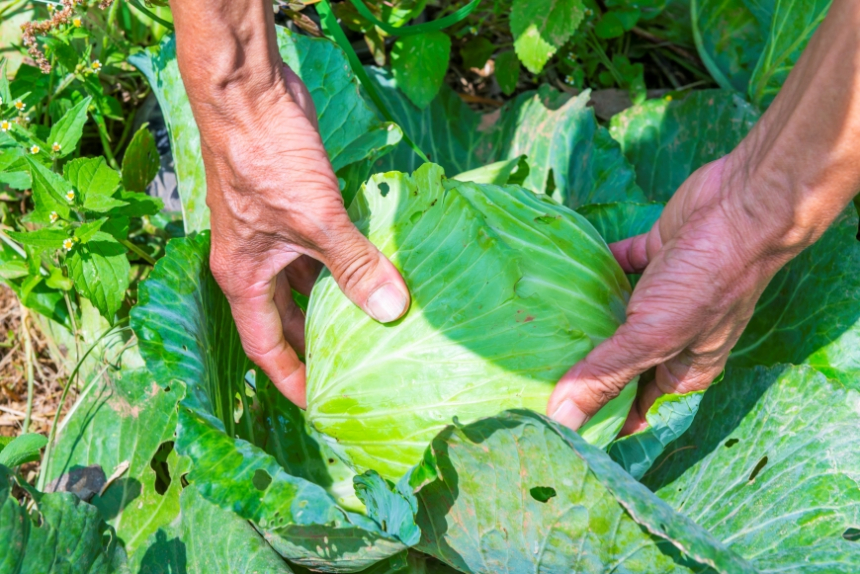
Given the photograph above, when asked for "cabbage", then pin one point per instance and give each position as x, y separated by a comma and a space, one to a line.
509, 290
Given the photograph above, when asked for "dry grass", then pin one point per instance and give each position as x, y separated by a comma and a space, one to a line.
48, 374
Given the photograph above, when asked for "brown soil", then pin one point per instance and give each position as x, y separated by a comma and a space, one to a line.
48, 375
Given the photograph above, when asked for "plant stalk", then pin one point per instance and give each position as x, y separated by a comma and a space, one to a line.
138, 251
28, 356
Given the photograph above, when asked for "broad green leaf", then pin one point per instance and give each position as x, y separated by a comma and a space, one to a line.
617, 221
207, 540
729, 41
666, 141
49, 193
541, 27
187, 334
13, 269
498, 173
63, 536
609, 26
810, 312
14, 170
56, 280
141, 161
349, 128
136, 204
561, 138
419, 63
559, 135
100, 271
447, 130
67, 131
103, 204
490, 274
41, 239
792, 24
486, 505
94, 180
668, 418
25, 448
122, 418
508, 71
770, 466
87, 230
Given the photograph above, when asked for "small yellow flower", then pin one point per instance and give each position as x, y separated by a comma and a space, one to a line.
77, 22
68, 244
5, 126
56, 147
96, 65
20, 106
54, 217
35, 149
70, 195
669, 98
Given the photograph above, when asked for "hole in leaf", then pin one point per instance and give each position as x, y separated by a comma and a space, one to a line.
251, 383
550, 183
261, 479
167, 389
238, 408
732, 442
161, 468
384, 189
543, 493
761, 464
185, 348
183, 480
331, 461
852, 535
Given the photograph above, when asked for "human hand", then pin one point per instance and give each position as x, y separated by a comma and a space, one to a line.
277, 216
705, 263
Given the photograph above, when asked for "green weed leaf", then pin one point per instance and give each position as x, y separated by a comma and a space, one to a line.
25, 448
541, 27
100, 271
419, 63
67, 131
141, 162
508, 71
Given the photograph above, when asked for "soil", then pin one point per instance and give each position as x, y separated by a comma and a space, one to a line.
48, 375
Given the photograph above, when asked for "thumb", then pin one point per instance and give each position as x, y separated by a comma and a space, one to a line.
364, 274
603, 374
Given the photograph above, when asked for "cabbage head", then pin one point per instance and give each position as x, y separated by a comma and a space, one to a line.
509, 290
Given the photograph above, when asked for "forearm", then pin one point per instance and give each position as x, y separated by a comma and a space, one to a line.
800, 166
228, 56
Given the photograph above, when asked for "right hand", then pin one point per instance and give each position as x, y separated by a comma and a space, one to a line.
277, 216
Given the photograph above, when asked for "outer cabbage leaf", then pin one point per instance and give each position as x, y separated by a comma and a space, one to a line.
560, 136
508, 290
109, 410
771, 466
792, 24
518, 493
810, 312
350, 130
205, 539
63, 536
617, 221
667, 140
729, 40
248, 445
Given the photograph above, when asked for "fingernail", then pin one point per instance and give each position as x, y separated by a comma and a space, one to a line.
569, 415
387, 303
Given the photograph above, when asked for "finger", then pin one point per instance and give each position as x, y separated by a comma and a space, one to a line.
262, 332
299, 93
682, 374
607, 369
292, 317
631, 253
364, 274
303, 273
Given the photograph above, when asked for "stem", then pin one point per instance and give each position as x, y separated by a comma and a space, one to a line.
126, 131
107, 149
74, 323
28, 354
64, 84
137, 250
